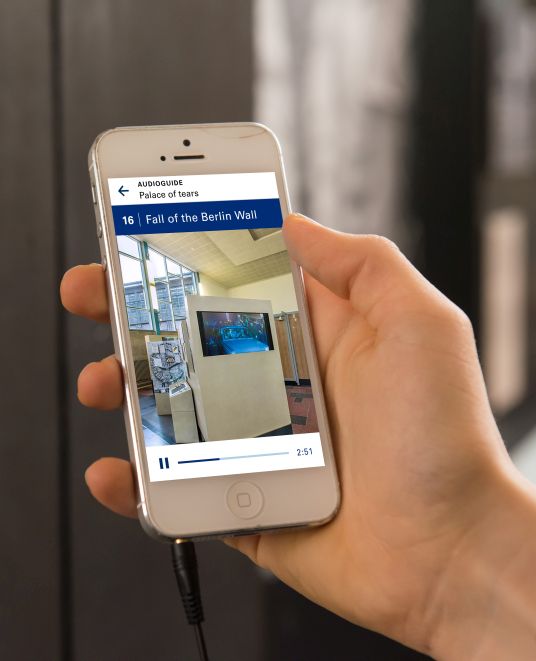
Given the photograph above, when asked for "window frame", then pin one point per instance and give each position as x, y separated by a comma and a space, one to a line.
174, 276
144, 251
147, 307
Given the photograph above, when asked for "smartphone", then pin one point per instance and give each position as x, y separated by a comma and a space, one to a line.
225, 416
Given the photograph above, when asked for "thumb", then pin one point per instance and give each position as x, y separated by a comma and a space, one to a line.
368, 271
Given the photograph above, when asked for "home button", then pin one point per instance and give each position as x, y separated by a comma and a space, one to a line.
245, 500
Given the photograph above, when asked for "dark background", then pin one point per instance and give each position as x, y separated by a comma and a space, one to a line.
77, 582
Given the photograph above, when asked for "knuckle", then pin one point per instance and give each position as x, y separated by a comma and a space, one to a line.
383, 245
458, 319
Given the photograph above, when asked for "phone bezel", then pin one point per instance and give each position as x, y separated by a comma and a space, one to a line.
292, 498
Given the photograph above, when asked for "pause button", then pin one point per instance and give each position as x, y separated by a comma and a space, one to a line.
164, 463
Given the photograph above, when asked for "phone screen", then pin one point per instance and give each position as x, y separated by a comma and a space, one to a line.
222, 375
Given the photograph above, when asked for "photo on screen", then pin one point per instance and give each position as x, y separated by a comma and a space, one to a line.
193, 297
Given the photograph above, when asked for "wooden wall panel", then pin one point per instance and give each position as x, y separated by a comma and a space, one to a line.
30, 581
299, 346
284, 350
128, 64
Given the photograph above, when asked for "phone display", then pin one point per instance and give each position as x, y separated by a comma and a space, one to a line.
215, 329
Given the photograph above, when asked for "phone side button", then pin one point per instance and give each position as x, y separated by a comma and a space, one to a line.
245, 500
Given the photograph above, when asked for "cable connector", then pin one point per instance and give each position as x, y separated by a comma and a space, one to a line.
184, 561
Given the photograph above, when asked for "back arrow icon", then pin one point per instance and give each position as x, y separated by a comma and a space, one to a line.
123, 190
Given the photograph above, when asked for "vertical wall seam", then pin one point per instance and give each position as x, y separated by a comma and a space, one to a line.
63, 491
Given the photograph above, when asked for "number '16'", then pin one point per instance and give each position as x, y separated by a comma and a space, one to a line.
128, 220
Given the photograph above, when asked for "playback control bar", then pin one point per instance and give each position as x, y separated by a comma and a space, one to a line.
234, 457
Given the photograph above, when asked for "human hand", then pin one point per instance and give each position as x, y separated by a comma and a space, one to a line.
420, 458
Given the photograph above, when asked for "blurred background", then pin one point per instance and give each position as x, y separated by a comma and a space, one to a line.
419, 119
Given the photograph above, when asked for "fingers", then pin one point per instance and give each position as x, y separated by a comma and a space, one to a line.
83, 292
110, 481
246, 544
100, 385
368, 271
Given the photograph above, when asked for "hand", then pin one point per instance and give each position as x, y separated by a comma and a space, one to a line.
420, 458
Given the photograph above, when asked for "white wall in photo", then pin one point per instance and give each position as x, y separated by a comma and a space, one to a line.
279, 290
236, 396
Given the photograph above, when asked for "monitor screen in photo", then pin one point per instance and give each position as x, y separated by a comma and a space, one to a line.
225, 333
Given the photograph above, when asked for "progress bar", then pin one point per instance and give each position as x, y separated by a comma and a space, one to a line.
244, 456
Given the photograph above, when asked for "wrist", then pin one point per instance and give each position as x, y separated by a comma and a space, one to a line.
485, 604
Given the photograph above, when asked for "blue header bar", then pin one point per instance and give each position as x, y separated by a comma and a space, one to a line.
197, 216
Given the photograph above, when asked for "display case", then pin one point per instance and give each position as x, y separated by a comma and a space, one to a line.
166, 365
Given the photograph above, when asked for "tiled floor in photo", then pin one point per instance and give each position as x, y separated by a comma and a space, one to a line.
302, 409
158, 429
161, 426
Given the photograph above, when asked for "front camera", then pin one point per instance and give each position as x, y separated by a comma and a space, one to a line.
186, 142
162, 158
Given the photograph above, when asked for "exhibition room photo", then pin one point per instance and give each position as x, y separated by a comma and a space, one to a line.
216, 336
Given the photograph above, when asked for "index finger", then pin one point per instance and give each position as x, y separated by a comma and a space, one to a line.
83, 292
367, 271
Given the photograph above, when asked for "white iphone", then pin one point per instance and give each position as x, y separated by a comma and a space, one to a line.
224, 410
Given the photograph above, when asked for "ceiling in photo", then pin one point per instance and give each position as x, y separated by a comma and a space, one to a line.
231, 258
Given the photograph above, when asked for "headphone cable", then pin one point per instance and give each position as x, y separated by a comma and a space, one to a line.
184, 562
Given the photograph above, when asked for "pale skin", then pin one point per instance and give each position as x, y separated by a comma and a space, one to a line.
435, 541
